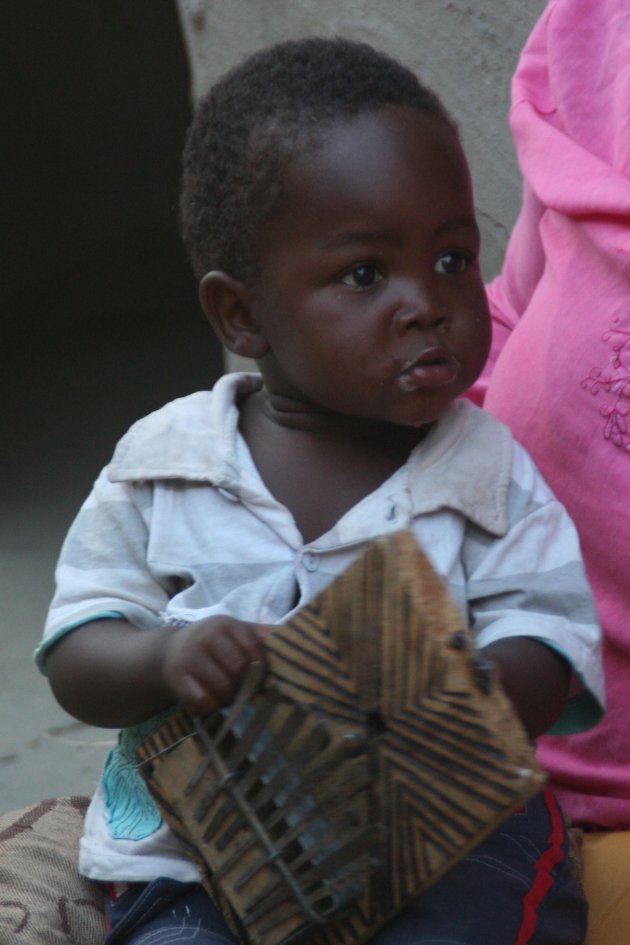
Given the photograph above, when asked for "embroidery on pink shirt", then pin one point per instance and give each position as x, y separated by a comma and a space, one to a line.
614, 382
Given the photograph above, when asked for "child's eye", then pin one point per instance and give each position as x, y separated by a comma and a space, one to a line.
363, 276
453, 262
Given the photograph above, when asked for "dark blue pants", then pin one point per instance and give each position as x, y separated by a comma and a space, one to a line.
516, 888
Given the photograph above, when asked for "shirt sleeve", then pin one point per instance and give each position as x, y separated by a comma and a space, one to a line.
102, 569
531, 582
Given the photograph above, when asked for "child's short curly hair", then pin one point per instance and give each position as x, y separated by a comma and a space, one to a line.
260, 116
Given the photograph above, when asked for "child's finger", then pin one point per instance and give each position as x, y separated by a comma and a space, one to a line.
195, 697
262, 630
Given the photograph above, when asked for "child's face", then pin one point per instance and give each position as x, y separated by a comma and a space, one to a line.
369, 294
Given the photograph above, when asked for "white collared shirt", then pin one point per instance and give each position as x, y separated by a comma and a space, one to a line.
180, 526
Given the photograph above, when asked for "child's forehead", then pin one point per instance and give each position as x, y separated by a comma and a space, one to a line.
382, 178
379, 144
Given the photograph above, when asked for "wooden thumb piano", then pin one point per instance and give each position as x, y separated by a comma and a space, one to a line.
376, 751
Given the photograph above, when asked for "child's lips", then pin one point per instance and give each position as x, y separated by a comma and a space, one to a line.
434, 367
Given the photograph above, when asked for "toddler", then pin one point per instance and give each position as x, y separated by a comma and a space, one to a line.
328, 212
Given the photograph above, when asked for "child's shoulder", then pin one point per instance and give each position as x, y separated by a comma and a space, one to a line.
472, 463
483, 438
488, 446
185, 437
475, 434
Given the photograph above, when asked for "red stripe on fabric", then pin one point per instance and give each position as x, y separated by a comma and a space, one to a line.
545, 864
112, 893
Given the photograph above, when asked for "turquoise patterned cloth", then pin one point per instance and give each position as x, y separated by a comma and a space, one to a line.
132, 812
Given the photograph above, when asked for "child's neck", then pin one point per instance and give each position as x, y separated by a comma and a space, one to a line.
320, 465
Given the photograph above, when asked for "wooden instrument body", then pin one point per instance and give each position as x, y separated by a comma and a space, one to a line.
376, 752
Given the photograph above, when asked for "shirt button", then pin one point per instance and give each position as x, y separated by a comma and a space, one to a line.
310, 561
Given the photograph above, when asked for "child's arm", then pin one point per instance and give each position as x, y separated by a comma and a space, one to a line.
109, 673
535, 677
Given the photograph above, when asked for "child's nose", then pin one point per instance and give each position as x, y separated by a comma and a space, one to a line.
418, 308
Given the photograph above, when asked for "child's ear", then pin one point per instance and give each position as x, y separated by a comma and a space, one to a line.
226, 303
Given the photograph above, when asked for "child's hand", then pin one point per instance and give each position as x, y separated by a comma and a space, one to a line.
204, 663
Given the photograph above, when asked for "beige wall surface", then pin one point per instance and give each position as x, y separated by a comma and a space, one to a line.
466, 50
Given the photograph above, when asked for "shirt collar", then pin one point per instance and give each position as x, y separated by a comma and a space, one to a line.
192, 438
464, 464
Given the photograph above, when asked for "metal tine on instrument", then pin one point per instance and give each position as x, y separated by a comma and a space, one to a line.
282, 909
350, 892
243, 745
323, 838
274, 897
242, 848
342, 890
267, 755
293, 810
283, 780
251, 683
314, 774
323, 856
329, 763
335, 857
241, 748
230, 762
276, 850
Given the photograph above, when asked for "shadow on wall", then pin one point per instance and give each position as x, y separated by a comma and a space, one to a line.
99, 106
100, 318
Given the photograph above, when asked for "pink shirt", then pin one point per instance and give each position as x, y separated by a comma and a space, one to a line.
561, 311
